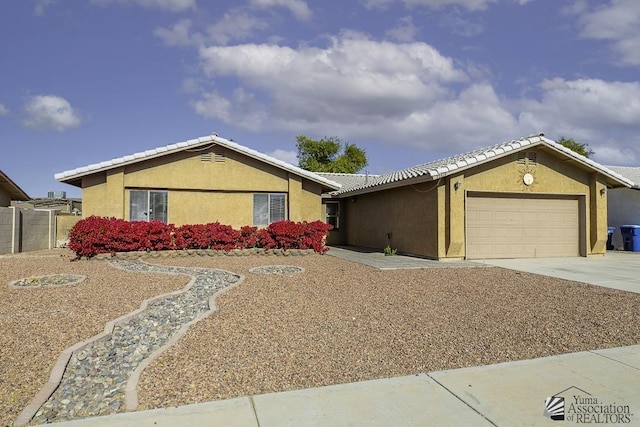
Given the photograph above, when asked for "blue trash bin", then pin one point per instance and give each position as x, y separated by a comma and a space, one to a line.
610, 232
630, 237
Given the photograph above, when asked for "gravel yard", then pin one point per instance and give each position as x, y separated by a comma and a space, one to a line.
333, 323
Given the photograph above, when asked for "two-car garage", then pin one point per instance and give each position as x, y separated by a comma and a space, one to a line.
522, 226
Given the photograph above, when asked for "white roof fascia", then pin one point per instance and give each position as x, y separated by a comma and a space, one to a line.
176, 147
586, 161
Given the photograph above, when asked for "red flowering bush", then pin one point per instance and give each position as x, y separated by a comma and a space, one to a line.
95, 235
208, 236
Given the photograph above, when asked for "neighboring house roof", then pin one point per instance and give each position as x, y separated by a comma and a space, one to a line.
15, 192
73, 176
442, 168
630, 172
348, 180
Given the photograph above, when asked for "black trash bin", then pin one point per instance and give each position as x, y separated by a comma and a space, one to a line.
630, 237
610, 232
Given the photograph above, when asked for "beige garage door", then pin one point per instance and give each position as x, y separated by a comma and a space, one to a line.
521, 227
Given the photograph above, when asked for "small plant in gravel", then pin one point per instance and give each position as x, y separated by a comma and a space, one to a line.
389, 251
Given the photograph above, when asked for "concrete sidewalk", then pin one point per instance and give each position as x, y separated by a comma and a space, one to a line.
506, 394
616, 270
376, 258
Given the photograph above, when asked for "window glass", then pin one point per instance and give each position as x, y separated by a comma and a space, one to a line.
332, 210
268, 208
276, 208
138, 205
147, 205
260, 209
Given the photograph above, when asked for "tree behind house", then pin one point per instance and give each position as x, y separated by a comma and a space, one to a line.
571, 144
329, 155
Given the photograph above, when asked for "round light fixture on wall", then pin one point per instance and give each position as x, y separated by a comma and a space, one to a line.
527, 178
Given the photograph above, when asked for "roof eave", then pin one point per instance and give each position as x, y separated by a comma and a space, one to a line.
74, 176
15, 192
614, 179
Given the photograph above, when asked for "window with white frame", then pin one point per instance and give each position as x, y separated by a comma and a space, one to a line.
148, 205
268, 208
332, 214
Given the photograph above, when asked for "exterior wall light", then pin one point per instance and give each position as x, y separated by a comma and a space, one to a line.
456, 186
603, 191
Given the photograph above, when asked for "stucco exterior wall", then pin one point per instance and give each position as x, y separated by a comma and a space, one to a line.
432, 223
406, 218
623, 209
201, 191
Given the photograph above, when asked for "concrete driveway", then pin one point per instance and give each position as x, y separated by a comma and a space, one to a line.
617, 270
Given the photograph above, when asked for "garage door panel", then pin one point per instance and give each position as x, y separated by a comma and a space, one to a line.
523, 226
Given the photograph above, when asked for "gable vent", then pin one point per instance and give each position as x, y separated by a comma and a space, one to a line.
205, 157
529, 158
218, 155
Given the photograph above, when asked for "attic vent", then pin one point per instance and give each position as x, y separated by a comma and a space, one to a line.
219, 155
529, 158
205, 157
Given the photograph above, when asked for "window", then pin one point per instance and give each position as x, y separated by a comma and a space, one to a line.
268, 208
332, 210
148, 205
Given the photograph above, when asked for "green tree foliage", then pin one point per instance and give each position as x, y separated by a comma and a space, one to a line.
571, 144
329, 155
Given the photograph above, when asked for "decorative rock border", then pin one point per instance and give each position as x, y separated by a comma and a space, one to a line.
99, 376
47, 281
276, 269
204, 252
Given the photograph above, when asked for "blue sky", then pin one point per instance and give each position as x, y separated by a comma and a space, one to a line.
409, 81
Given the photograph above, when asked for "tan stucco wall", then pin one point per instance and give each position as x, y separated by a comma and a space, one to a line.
200, 192
432, 224
64, 224
552, 175
408, 214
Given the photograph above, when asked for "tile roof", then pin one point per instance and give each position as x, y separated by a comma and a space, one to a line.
74, 174
444, 167
348, 180
630, 172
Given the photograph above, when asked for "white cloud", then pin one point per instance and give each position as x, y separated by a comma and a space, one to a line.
617, 22
235, 25
405, 31
170, 5
40, 6
470, 5
3, 110
352, 79
599, 113
288, 156
178, 35
356, 88
377, 4
298, 8
50, 112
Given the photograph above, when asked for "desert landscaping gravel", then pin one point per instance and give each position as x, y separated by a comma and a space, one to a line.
333, 322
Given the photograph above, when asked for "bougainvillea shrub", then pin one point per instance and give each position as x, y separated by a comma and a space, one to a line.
95, 235
208, 236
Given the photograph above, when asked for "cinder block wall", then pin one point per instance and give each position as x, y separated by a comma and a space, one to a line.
24, 230
6, 229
